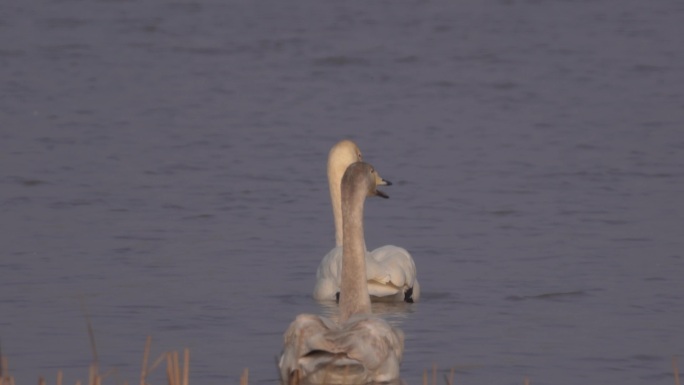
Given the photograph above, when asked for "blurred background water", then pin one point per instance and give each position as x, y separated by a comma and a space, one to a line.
162, 166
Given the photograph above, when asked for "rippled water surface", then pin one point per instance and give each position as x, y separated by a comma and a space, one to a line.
162, 169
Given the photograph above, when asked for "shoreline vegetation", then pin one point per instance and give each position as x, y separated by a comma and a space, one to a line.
178, 371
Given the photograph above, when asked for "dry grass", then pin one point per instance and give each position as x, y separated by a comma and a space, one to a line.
177, 374
675, 370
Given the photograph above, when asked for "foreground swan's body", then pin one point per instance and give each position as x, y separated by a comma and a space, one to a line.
359, 348
390, 270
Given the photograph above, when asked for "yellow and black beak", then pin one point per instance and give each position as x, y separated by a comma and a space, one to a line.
381, 182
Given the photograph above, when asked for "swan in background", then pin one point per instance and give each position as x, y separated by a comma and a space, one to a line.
359, 348
390, 270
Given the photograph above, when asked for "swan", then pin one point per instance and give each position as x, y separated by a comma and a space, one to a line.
359, 348
390, 270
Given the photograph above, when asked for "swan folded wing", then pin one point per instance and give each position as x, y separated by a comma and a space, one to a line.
300, 338
331, 264
374, 343
328, 275
380, 292
391, 265
390, 272
363, 349
369, 339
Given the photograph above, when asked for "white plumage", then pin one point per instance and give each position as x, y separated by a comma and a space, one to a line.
359, 348
391, 271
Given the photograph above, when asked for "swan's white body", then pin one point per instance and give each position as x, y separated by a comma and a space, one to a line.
391, 271
390, 274
359, 348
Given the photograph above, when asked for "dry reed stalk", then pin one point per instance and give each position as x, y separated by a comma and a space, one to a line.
5, 378
177, 368
3, 367
425, 380
92, 372
59, 377
434, 374
146, 356
175, 374
174, 369
170, 371
244, 378
675, 369
41, 380
526, 381
186, 366
95, 376
78, 382
158, 361
91, 332
450, 380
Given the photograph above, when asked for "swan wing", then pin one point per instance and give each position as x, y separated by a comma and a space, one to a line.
328, 275
363, 349
305, 336
374, 343
391, 271
369, 339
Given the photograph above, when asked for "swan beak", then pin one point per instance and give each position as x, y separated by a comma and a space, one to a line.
381, 182
381, 194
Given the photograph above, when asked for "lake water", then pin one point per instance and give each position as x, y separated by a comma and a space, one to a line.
162, 169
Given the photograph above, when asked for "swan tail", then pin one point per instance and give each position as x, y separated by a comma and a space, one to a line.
317, 350
391, 273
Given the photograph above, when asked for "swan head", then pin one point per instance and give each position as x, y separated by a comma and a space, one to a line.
365, 175
341, 156
344, 153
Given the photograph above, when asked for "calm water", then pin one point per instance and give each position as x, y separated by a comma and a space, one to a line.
163, 164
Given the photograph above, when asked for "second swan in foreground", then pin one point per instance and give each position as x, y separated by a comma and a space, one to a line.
390, 270
359, 348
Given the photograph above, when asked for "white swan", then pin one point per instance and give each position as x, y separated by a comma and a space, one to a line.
359, 348
390, 270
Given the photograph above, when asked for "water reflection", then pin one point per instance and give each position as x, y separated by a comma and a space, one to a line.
392, 312
552, 296
398, 381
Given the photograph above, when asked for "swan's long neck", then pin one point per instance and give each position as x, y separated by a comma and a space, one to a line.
335, 182
354, 298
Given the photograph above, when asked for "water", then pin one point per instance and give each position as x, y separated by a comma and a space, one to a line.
163, 170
